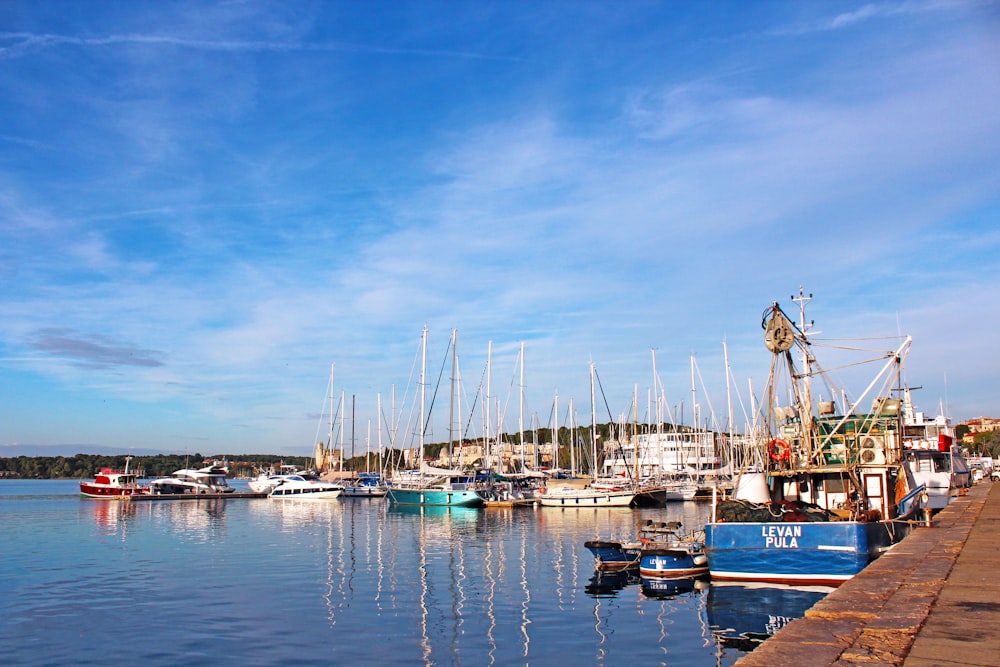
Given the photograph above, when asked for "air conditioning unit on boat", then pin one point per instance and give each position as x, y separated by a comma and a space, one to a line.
872, 450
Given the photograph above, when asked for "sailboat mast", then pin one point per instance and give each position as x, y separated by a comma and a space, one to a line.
343, 395
593, 421
555, 431
378, 420
572, 440
488, 411
635, 430
694, 398
451, 399
329, 441
659, 414
520, 416
423, 372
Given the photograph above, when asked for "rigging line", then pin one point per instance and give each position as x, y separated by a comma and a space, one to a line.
825, 371
851, 349
899, 337
437, 387
708, 397
611, 420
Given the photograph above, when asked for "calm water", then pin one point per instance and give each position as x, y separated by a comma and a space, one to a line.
328, 582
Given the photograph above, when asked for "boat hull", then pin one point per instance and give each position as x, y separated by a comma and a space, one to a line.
365, 491
824, 553
672, 563
612, 556
304, 494
89, 490
436, 497
609, 499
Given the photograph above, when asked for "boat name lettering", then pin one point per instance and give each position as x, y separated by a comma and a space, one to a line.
781, 536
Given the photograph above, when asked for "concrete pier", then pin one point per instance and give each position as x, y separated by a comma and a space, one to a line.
934, 599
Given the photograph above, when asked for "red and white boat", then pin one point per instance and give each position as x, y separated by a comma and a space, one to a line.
112, 483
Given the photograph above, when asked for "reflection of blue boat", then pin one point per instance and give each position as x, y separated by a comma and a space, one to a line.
743, 615
457, 514
607, 584
664, 589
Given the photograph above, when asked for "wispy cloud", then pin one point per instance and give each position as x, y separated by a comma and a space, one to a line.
19, 44
94, 351
209, 233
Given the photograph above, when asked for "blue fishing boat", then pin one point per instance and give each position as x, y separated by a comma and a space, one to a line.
834, 494
678, 560
610, 555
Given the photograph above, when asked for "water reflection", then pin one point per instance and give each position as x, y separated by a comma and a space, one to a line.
437, 585
609, 584
667, 589
190, 520
742, 615
111, 517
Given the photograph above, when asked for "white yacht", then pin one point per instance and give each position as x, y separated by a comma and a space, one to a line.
298, 487
210, 479
931, 456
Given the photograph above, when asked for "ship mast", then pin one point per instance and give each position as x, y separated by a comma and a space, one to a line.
805, 395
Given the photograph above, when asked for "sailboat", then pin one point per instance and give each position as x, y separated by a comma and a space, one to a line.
434, 486
834, 494
368, 484
595, 494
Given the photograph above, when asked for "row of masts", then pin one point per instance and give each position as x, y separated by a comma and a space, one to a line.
582, 455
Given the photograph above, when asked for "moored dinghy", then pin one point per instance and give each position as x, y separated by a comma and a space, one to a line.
674, 556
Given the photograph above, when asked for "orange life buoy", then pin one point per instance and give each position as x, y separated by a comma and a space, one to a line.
779, 450
542, 490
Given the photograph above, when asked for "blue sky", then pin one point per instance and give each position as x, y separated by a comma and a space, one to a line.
204, 205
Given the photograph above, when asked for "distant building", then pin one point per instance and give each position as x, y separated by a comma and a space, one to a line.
979, 425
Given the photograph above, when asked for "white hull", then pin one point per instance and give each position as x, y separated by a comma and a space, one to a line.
297, 488
365, 492
305, 494
585, 498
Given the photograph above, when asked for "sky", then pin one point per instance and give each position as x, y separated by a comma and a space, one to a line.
206, 206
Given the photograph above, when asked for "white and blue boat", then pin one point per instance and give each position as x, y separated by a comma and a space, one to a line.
678, 560
834, 494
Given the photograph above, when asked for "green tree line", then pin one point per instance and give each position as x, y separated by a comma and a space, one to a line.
84, 466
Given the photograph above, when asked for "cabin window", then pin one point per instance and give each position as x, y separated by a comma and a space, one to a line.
834, 485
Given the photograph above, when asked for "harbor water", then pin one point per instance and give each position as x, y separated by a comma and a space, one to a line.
260, 581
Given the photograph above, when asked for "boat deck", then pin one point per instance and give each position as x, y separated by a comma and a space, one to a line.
934, 599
